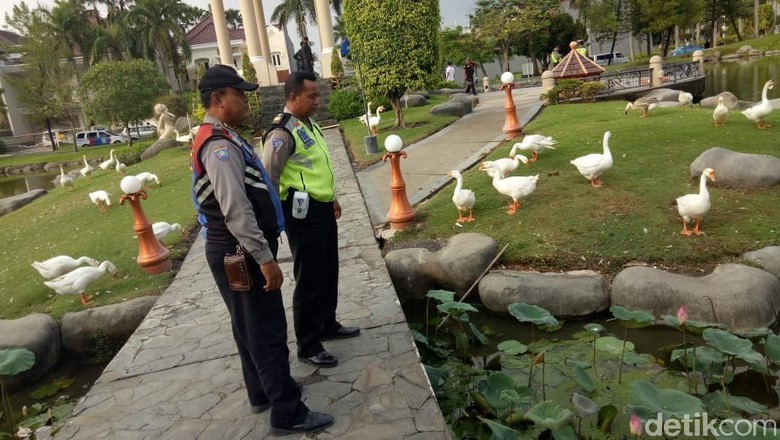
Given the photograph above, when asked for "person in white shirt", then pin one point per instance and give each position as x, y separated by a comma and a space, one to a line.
449, 72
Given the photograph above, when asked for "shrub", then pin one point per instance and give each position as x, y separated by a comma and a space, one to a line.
176, 104
132, 155
563, 91
3, 148
253, 121
592, 88
250, 74
336, 66
449, 85
345, 103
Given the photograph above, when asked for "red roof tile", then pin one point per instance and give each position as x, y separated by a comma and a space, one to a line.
9, 37
204, 33
575, 65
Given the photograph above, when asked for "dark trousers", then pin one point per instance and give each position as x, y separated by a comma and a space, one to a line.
470, 86
260, 331
314, 247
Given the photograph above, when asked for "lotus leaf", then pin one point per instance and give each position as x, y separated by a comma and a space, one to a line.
454, 306
500, 432
731, 345
549, 415
707, 359
717, 407
565, 433
419, 337
533, 314
437, 376
773, 348
498, 383
583, 406
638, 359
607, 414
632, 318
583, 378
613, 345
594, 328
728, 431
693, 327
754, 333
15, 360
643, 395
45, 391
442, 296
512, 347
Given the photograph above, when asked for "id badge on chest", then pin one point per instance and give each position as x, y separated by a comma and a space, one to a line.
305, 138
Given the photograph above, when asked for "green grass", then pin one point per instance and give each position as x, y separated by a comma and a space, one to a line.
66, 154
66, 222
419, 125
566, 224
770, 42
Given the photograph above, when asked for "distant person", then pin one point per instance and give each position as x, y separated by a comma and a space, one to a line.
449, 72
304, 58
469, 70
555, 57
707, 44
581, 49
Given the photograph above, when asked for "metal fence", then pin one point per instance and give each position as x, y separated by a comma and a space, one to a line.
674, 72
625, 79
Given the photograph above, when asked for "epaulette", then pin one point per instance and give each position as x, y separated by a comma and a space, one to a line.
277, 119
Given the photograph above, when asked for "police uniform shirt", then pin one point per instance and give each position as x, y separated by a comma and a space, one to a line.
278, 147
224, 164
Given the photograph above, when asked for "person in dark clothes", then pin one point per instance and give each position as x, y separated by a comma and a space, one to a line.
469, 70
304, 58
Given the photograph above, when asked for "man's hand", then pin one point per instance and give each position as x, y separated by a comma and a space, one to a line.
337, 209
272, 274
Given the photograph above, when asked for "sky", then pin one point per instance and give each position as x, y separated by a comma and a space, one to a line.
453, 12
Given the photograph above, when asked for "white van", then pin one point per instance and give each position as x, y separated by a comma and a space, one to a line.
96, 138
602, 59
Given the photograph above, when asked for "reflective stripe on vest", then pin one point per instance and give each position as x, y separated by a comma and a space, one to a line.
309, 168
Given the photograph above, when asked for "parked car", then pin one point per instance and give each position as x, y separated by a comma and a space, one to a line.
684, 50
602, 59
137, 132
95, 138
60, 136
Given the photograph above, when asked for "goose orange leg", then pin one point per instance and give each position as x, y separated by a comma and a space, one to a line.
534, 157
513, 208
84, 298
470, 218
596, 182
696, 228
461, 219
685, 231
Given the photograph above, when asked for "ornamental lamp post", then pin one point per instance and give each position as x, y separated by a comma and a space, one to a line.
153, 257
512, 127
401, 214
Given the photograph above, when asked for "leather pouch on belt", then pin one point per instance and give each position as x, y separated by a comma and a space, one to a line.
237, 271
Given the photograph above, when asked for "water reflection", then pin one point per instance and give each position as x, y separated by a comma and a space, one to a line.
744, 77
23, 183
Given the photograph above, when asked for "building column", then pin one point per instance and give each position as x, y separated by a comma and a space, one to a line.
265, 48
223, 37
253, 42
322, 8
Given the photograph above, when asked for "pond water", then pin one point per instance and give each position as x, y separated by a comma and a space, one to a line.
21, 184
744, 77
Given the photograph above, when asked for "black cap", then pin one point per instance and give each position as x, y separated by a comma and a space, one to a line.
220, 76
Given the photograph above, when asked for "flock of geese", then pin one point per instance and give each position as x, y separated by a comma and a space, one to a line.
691, 207
67, 275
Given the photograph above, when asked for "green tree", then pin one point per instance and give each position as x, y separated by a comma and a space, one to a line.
457, 47
664, 16
121, 91
233, 17
248, 69
766, 18
400, 54
297, 10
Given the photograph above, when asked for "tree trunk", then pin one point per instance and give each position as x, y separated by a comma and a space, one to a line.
667, 38
736, 27
614, 35
51, 136
505, 51
395, 102
535, 70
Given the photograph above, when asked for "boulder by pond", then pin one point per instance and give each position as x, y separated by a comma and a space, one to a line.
742, 297
453, 107
571, 294
38, 333
10, 204
455, 267
767, 258
413, 100
738, 170
729, 100
473, 99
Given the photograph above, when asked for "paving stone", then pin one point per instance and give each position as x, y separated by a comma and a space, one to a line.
412, 394
371, 378
185, 428
426, 418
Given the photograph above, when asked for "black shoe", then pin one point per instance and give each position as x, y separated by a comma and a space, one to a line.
257, 409
314, 421
342, 333
322, 359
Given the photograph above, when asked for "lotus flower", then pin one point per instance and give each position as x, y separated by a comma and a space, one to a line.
635, 425
682, 315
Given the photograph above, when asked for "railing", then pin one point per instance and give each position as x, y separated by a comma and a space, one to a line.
678, 71
625, 79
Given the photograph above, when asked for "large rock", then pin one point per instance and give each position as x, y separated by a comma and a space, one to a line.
570, 294
157, 146
453, 107
473, 99
755, 52
743, 297
414, 100
10, 204
744, 50
729, 100
39, 334
664, 95
117, 322
455, 267
446, 91
768, 258
738, 170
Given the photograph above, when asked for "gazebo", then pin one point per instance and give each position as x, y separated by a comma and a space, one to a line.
575, 65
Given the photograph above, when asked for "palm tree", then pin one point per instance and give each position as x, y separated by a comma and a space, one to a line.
298, 10
233, 17
336, 5
69, 19
339, 32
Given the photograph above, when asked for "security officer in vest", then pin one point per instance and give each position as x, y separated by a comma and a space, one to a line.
296, 156
237, 206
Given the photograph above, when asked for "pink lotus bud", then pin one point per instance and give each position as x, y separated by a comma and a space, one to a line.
682, 315
635, 425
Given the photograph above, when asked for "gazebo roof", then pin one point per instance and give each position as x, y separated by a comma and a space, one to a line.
575, 65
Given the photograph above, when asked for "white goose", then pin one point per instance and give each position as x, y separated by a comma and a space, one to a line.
462, 198
373, 122
504, 166
60, 265
163, 229
594, 165
363, 118
695, 206
110, 163
516, 187
685, 99
644, 104
721, 113
758, 112
147, 178
101, 199
121, 168
87, 170
535, 143
65, 181
76, 281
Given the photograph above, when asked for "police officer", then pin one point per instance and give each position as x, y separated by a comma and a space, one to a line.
581, 48
296, 156
236, 206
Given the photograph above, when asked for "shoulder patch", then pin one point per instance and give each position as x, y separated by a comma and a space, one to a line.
221, 151
277, 144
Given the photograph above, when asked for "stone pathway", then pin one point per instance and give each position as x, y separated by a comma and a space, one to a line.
179, 376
